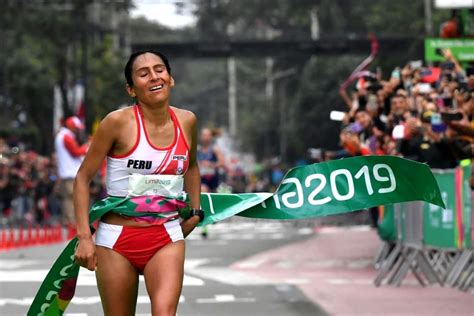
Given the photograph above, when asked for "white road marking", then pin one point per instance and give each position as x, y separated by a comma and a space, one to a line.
305, 231
228, 276
194, 263
88, 300
142, 299
252, 263
86, 277
337, 229
350, 281
297, 281
15, 263
226, 298
26, 301
192, 281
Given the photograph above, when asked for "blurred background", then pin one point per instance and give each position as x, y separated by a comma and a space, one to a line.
276, 81
274, 84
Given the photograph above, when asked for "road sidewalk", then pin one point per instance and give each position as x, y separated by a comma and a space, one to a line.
334, 269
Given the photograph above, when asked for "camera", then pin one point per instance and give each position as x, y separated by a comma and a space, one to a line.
451, 116
446, 101
469, 71
447, 65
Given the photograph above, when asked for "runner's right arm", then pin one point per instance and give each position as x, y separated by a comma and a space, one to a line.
101, 145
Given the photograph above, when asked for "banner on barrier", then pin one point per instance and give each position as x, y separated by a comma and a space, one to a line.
448, 227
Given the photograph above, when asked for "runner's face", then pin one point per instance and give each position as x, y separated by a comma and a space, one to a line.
151, 81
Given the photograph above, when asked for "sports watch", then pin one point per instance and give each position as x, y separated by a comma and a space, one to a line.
198, 212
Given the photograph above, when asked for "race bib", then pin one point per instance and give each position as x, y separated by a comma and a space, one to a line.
155, 184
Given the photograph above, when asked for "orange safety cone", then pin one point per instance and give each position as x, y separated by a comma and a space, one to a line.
29, 236
51, 235
47, 234
54, 233
12, 240
38, 235
3, 239
21, 238
59, 235
8, 239
44, 236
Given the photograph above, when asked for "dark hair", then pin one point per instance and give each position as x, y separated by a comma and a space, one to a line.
128, 67
400, 95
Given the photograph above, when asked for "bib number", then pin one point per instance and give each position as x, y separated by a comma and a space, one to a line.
155, 184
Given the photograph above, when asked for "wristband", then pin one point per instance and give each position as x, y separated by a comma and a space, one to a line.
198, 212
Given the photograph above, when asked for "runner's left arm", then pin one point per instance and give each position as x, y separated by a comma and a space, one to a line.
192, 178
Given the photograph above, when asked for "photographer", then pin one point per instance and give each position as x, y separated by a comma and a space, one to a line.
425, 141
460, 135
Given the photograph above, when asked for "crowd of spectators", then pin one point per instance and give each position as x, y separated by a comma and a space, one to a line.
420, 112
28, 186
423, 113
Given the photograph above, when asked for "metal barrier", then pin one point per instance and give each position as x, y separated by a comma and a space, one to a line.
435, 244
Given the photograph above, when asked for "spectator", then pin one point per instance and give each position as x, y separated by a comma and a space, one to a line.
69, 157
398, 110
6, 194
210, 159
4, 148
45, 197
350, 140
421, 143
451, 28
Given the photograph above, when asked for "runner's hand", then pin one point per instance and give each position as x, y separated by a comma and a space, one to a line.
85, 254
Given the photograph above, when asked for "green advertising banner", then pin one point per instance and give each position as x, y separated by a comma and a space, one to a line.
444, 228
462, 48
330, 188
450, 227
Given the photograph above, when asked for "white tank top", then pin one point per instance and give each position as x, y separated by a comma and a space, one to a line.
144, 158
68, 165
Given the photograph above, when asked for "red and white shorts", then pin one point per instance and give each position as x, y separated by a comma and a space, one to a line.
138, 244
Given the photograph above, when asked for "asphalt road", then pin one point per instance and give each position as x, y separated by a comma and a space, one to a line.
210, 286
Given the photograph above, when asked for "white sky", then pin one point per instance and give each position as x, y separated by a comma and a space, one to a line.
163, 12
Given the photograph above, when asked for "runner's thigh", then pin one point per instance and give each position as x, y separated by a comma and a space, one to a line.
118, 283
164, 278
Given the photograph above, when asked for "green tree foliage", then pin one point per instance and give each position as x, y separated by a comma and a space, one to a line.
29, 66
106, 84
312, 93
43, 45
